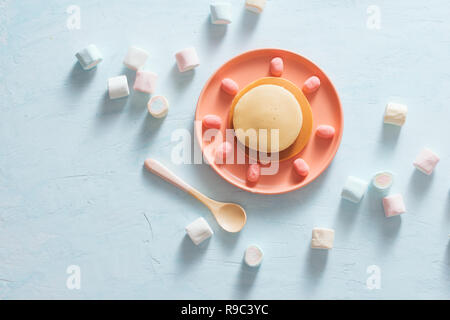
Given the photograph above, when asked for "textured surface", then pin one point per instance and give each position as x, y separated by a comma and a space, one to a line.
73, 191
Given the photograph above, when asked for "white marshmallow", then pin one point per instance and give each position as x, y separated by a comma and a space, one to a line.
118, 87
395, 113
89, 57
354, 189
135, 58
159, 112
322, 238
253, 256
256, 6
199, 230
187, 59
220, 12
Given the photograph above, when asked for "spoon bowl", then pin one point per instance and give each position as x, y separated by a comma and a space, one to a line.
230, 216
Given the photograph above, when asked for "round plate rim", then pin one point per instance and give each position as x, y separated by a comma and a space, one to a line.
294, 187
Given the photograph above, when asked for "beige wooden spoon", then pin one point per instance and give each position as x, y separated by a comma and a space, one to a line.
230, 216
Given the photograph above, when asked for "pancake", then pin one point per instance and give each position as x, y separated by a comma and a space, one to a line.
267, 107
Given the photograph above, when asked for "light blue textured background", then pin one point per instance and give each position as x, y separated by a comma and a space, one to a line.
73, 191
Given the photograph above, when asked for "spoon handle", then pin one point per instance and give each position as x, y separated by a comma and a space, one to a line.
157, 168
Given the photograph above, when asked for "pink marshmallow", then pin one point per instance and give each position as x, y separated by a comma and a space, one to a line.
187, 59
393, 205
211, 121
276, 67
145, 81
325, 131
301, 167
253, 172
311, 85
223, 151
426, 161
229, 86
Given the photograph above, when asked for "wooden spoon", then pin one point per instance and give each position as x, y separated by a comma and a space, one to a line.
230, 216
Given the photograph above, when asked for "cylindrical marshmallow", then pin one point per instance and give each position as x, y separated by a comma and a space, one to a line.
325, 131
135, 58
211, 121
162, 110
301, 167
253, 172
256, 6
393, 205
145, 81
311, 85
229, 86
187, 59
322, 238
253, 256
276, 67
222, 152
426, 160
383, 180
89, 57
354, 189
220, 12
118, 87
395, 114
199, 230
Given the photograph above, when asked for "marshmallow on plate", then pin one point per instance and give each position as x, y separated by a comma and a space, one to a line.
135, 58
211, 121
301, 167
220, 12
253, 172
118, 87
426, 160
393, 205
256, 6
187, 59
382, 181
89, 57
223, 152
229, 86
312, 84
322, 238
145, 81
276, 67
395, 113
163, 108
199, 230
253, 256
325, 131
354, 189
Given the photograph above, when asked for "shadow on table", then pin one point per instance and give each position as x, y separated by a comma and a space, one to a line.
389, 228
246, 279
181, 79
214, 34
317, 261
190, 254
79, 78
248, 23
389, 136
347, 214
419, 184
